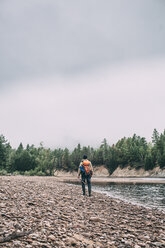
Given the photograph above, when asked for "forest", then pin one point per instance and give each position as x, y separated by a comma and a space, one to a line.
134, 151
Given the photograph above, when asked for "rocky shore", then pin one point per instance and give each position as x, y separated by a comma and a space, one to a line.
44, 212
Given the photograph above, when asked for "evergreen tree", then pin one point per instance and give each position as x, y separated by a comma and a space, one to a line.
66, 163
133, 151
155, 136
22, 160
5, 149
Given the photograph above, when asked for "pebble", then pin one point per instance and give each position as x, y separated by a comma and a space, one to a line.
59, 216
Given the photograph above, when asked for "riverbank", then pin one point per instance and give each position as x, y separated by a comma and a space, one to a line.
104, 180
132, 172
49, 213
127, 172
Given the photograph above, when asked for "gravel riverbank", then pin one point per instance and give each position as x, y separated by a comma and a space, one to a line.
43, 212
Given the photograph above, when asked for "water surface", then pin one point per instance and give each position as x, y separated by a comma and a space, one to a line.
151, 195
145, 194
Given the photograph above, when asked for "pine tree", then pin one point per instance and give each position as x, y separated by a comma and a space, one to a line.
5, 149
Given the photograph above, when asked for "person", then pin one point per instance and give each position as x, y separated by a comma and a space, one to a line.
86, 172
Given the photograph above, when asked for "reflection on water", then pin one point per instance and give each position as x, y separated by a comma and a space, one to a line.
148, 195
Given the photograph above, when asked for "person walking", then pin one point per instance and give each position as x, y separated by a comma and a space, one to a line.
86, 172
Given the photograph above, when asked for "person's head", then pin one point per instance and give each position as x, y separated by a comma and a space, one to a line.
85, 157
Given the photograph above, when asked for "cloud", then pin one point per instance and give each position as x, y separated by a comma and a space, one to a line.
111, 103
48, 38
80, 71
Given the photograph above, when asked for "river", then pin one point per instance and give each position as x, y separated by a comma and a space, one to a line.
151, 195
145, 194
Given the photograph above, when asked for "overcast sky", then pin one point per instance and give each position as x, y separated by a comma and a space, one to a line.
80, 71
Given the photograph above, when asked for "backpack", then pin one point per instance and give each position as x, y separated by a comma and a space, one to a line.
86, 167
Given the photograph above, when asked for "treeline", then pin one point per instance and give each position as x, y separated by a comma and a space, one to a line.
133, 151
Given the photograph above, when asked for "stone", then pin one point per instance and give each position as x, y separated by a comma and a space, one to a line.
59, 217
71, 241
52, 237
159, 244
95, 219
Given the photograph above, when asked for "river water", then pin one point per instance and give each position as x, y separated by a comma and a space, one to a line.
151, 195
146, 194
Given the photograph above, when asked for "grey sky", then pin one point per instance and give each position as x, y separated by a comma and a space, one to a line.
43, 37
63, 60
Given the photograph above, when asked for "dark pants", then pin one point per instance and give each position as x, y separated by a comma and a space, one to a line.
88, 179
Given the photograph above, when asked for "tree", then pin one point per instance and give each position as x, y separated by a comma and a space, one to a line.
5, 149
148, 163
50, 160
76, 156
104, 148
66, 163
155, 136
22, 160
112, 162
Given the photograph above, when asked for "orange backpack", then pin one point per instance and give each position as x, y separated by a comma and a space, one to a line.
87, 168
